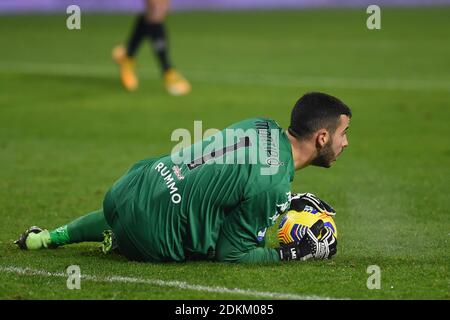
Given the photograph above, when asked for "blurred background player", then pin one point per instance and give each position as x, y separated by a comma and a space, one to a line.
150, 25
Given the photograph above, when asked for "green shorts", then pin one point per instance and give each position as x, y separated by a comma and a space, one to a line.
126, 245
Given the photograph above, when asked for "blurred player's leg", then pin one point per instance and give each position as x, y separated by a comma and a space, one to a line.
124, 56
86, 228
151, 24
155, 15
127, 65
138, 34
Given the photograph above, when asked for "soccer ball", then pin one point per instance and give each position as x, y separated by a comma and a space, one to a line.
293, 225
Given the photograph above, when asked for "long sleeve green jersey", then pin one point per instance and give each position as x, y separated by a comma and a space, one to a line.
213, 199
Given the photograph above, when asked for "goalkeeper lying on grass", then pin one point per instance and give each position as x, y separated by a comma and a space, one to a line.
219, 205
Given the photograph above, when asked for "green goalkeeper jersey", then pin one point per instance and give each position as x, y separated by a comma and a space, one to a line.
213, 200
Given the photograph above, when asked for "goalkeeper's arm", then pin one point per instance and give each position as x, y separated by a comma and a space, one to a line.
238, 237
229, 251
309, 247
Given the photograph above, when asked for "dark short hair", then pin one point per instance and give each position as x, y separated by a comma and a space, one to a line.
314, 111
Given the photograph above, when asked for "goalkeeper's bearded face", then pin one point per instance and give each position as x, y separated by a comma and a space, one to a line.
329, 152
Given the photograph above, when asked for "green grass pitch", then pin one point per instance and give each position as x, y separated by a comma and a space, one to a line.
68, 130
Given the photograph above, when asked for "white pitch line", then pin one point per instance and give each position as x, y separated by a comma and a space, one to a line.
244, 78
164, 283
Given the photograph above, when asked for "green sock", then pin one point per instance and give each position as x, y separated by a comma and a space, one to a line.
59, 237
89, 227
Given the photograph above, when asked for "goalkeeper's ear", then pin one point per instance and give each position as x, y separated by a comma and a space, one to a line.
317, 227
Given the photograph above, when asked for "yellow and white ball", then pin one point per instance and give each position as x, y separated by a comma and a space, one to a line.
294, 223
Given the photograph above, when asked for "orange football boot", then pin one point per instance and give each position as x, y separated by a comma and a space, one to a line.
175, 83
126, 68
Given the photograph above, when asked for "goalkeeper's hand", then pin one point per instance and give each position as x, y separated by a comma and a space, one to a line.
300, 200
309, 246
